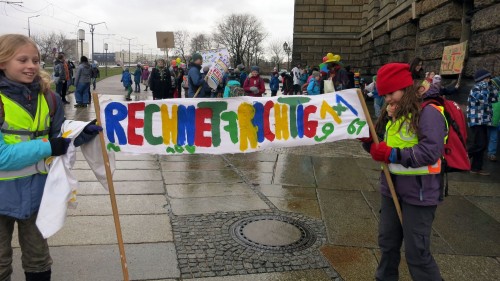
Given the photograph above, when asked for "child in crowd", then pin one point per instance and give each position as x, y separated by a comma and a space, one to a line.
314, 87
254, 85
127, 83
25, 144
145, 77
479, 115
137, 78
413, 143
274, 83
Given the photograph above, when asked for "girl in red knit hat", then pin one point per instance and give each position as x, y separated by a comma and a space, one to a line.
413, 141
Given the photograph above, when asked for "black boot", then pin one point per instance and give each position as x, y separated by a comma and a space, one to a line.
38, 276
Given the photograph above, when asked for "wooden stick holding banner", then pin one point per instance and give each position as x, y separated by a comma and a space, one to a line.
385, 167
111, 188
199, 88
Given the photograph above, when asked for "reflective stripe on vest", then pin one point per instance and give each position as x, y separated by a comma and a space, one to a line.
403, 138
19, 126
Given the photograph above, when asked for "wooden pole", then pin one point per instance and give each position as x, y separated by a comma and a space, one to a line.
385, 168
111, 187
199, 88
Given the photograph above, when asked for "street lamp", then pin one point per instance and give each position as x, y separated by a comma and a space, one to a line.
81, 37
106, 57
29, 29
92, 28
128, 48
287, 50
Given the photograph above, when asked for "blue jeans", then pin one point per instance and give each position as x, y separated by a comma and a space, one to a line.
82, 93
378, 102
493, 140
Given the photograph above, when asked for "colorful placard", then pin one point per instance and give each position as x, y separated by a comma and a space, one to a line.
233, 125
219, 61
453, 59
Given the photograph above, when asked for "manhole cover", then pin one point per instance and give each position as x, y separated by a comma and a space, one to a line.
273, 233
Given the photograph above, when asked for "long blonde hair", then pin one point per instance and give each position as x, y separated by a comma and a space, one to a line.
10, 43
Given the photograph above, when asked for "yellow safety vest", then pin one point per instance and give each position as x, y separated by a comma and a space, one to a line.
403, 138
19, 126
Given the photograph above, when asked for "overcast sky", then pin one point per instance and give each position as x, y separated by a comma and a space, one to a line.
140, 19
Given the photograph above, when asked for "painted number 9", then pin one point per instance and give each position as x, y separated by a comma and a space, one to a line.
356, 126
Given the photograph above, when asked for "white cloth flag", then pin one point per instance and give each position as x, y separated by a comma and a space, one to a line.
61, 183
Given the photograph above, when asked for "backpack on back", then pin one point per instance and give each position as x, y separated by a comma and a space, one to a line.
455, 148
236, 91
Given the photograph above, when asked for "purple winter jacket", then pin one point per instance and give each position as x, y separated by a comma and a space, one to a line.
420, 190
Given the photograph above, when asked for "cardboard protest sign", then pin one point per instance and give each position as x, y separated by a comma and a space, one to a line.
218, 61
453, 59
165, 39
234, 125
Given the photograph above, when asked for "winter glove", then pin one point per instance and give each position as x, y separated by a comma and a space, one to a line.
254, 90
89, 132
381, 152
59, 146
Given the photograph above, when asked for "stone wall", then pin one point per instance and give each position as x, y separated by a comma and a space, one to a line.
370, 33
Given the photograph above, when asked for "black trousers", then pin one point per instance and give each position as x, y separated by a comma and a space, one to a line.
479, 135
415, 233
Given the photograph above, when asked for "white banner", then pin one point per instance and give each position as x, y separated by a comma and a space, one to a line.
234, 125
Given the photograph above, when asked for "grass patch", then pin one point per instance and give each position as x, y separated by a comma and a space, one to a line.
111, 72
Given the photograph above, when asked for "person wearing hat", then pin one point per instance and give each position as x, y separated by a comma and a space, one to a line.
195, 79
412, 146
160, 81
479, 117
254, 85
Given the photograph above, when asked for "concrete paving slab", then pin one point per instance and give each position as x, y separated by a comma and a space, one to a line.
490, 205
285, 191
122, 187
239, 203
100, 230
467, 228
340, 174
102, 262
179, 166
188, 158
222, 176
348, 218
351, 263
404, 273
259, 178
308, 207
121, 175
316, 275
99, 205
252, 157
475, 188
255, 166
208, 190
454, 267
123, 165
294, 170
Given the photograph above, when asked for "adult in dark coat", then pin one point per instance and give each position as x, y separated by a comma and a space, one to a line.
160, 82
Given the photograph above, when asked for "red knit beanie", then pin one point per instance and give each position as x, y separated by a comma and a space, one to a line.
392, 77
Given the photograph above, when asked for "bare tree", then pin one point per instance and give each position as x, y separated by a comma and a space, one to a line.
275, 49
201, 42
242, 35
48, 41
181, 39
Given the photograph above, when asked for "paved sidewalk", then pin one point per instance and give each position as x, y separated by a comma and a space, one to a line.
180, 217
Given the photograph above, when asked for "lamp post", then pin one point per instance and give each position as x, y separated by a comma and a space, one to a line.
92, 28
129, 39
29, 28
106, 57
81, 37
287, 50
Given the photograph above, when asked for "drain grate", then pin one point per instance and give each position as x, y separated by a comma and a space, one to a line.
273, 233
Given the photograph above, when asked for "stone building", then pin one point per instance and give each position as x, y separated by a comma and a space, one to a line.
370, 33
